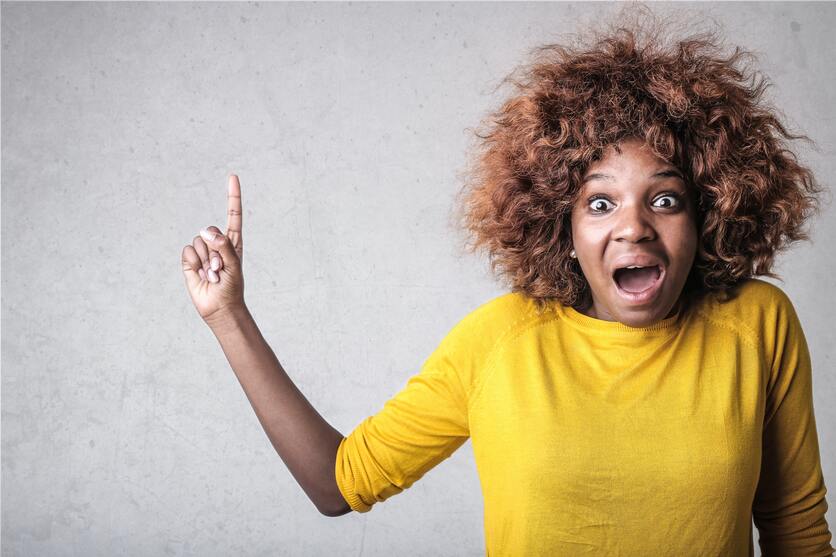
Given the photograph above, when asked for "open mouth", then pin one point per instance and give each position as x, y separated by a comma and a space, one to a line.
639, 284
636, 279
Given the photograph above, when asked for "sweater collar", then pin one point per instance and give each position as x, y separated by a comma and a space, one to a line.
592, 324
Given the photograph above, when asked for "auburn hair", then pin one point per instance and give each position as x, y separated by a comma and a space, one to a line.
695, 107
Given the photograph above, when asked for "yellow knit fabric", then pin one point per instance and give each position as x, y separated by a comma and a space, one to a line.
594, 438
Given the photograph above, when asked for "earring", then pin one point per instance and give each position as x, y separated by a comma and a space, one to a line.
572, 254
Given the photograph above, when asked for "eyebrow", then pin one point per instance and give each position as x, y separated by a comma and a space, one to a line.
672, 172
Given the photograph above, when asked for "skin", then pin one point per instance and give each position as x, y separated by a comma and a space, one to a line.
304, 440
637, 210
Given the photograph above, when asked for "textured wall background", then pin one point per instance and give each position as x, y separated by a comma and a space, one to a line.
124, 432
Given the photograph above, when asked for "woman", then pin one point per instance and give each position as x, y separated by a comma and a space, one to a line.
638, 392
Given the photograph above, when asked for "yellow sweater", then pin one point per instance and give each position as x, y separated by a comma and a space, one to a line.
594, 438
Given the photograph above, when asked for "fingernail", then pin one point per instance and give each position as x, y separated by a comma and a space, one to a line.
206, 235
213, 276
216, 263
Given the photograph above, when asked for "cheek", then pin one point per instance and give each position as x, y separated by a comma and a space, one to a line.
590, 239
590, 244
684, 244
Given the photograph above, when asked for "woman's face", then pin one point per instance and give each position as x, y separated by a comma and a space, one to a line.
634, 209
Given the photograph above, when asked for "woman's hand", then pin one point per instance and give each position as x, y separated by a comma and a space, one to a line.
212, 268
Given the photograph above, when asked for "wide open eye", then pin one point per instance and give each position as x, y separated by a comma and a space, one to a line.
599, 204
675, 202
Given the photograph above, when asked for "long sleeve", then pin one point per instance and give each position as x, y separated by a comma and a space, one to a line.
419, 427
789, 506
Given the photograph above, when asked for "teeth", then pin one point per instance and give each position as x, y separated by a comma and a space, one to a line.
640, 267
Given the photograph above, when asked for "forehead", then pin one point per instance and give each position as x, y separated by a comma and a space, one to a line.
631, 160
628, 154
654, 173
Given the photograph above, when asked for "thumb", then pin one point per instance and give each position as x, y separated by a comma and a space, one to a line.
222, 244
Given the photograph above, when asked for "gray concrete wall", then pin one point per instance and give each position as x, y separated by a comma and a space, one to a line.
124, 432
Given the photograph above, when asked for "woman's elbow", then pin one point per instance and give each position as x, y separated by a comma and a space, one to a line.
344, 508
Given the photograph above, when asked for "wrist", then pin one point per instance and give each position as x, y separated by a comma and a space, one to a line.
228, 318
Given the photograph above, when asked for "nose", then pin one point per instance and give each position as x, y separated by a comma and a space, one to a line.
634, 225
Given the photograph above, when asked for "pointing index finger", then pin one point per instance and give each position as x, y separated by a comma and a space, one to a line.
233, 223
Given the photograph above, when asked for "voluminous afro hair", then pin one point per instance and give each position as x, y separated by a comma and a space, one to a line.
694, 106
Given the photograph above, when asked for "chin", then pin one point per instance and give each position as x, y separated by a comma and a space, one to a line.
642, 317
639, 321
646, 307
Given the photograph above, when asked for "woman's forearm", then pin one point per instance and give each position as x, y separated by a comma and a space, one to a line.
304, 440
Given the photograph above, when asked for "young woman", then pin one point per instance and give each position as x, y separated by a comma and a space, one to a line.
638, 392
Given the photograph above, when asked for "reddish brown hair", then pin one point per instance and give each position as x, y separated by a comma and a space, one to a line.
695, 107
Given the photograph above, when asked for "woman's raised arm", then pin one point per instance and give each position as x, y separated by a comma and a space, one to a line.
304, 440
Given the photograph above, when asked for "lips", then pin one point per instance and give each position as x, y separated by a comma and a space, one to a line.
653, 289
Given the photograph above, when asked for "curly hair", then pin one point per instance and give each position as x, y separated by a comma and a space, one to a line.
694, 106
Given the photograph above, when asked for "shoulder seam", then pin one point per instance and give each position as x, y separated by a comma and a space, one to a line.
512, 331
745, 332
